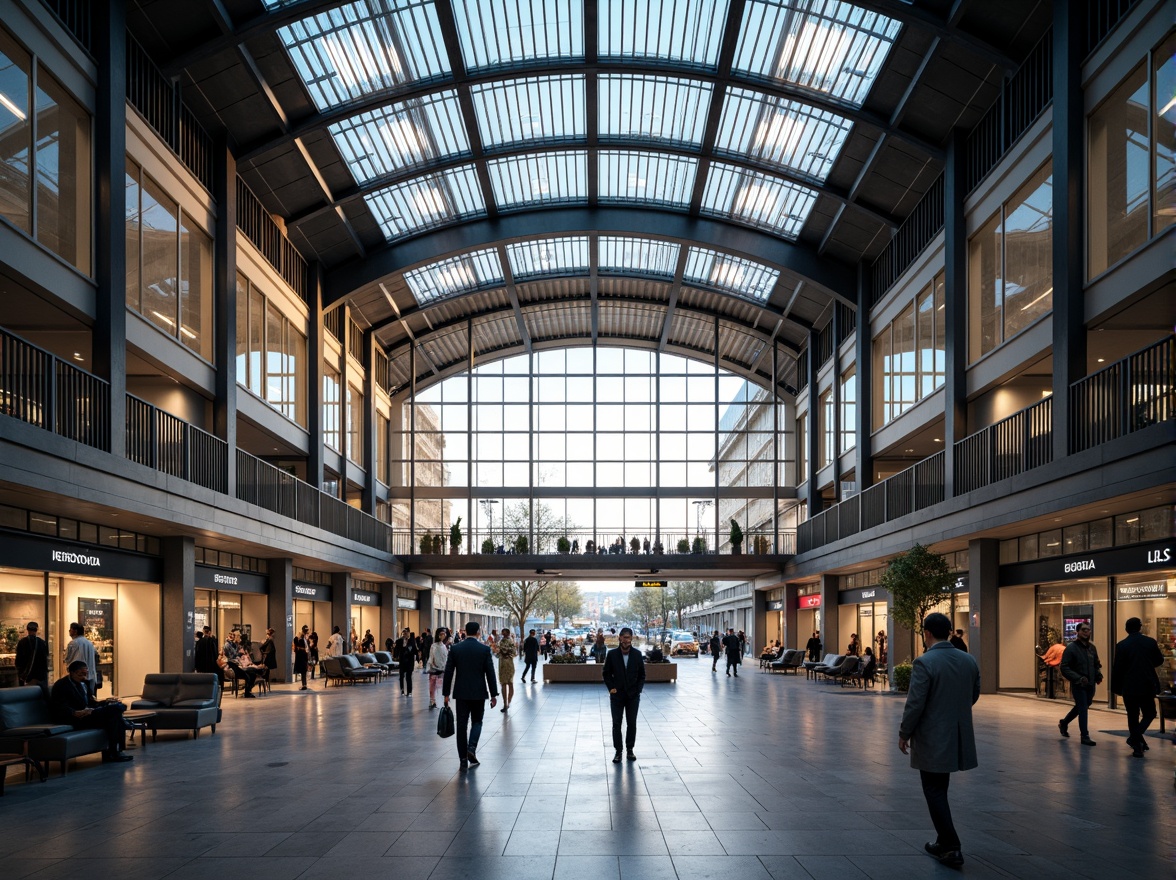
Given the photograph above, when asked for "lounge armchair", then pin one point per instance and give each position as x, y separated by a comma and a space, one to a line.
332, 671
790, 662
180, 701
834, 668
848, 666
354, 671
25, 721
369, 661
385, 658
863, 676
810, 667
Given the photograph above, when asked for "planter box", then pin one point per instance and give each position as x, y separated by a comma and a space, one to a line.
592, 673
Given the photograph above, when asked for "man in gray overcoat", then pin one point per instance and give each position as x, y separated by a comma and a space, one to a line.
937, 727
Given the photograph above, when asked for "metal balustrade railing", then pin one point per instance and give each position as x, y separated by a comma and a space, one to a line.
406, 542
1125, 397
1010, 447
159, 440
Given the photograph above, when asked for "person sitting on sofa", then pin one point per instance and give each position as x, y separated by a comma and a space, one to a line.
71, 703
239, 662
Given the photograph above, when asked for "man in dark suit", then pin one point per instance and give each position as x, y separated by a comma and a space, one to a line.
937, 723
1133, 677
32, 659
70, 703
624, 676
734, 651
472, 663
530, 655
813, 647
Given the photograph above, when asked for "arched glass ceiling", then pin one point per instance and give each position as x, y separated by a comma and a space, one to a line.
495, 34
543, 109
626, 255
686, 32
662, 109
541, 179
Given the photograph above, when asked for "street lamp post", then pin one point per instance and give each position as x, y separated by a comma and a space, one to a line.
699, 507
488, 507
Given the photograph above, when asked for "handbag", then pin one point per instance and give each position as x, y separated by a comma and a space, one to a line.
446, 727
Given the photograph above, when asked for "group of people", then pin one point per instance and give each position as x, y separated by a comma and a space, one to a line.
732, 645
235, 656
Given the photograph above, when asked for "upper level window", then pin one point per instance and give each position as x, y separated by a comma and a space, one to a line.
1010, 266
910, 354
825, 427
271, 353
848, 409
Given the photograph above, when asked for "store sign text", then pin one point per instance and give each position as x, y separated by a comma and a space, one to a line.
1155, 557
224, 579
76, 558
1080, 565
1129, 592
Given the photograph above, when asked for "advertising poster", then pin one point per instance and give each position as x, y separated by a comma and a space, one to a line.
97, 619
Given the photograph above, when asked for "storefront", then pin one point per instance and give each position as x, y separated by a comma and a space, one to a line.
774, 619
1042, 603
231, 601
808, 615
113, 594
863, 611
365, 615
408, 615
312, 608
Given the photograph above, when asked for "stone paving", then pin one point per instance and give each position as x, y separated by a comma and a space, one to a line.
761, 777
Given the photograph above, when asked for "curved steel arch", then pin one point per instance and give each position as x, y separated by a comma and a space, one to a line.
838, 279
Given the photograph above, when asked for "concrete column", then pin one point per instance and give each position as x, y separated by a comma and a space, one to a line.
984, 599
387, 611
791, 638
340, 607
280, 611
814, 439
315, 346
179, 604
835, 396
224, 295
425, 607
955, 277
864, 354
830, 626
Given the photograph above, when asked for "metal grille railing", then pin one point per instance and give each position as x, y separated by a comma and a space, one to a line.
916, 232
259, 227
1012, 446
75, 17
1101, 18
159, 440
1125, 397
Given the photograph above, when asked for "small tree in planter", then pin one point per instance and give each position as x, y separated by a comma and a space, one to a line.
634, 546
520, 544
438, 544
736, 539
683, 545
563, 545
699, 545
917, 581
426, 543
902, 677
487, 546
455, 537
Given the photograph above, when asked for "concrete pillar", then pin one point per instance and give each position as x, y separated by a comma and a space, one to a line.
340, 608
224, 294
791, 638
815, 503
388, 611
955, 279
179, 604
984, 599
830, 635
280, 611
864, 354
315, 347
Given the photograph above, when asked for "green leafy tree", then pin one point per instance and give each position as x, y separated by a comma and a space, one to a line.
517, 598
917, 580
536, 521
645, 605
681, 595
560, 600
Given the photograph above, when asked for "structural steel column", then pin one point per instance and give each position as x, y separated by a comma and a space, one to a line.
1069, 325
814, 495
863, 355
224, 295
835, 387
110, 214
280, 611
387, 612
955, 274
830, 619
368, 501
984, 599
178, 604
340, 606
315, 346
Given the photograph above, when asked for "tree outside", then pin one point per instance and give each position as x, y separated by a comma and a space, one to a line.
917, 580
519, 598
560, 600
681, 595
535, 521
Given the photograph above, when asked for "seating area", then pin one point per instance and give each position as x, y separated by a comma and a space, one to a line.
348, 669
27, 729
790, 661
180, 701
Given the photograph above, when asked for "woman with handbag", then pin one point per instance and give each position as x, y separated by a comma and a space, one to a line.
435, 665
506, 652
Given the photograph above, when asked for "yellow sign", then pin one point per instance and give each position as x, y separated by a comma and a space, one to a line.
651, 583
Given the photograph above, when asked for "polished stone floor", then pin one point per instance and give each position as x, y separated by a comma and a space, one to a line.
759, 777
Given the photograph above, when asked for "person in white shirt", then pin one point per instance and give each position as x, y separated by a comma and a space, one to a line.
81, 648
335, 643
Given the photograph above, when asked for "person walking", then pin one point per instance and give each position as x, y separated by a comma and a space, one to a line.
1133, 677
957, 641
301, 657
734, 652
813, 647
425, 643
936, 728
435, 665
469, 678
506, 650
531, 655
624, 676
406, 657
716, 648
32, 659
1082, 668
599, 648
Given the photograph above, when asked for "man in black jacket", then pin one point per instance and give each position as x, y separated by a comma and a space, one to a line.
734, 651
70, 703
472, 664
716, 648
32, 659
1133, 677
813, 647
530, 655
624, 676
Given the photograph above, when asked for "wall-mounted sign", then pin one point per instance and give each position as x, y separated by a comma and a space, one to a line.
35, 553
311, 592
856, 597
641, 583
776, 605
961, 584
812, 601
407, 604
364, 597
211, 578
1097, 563
1129, 592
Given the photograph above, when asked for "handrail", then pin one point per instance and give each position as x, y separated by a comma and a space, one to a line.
1013, 445
757, 542
1126, 396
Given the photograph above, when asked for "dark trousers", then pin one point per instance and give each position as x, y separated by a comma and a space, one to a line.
935, 791
1141, 712
732, 663
108, 717
626, 706
714, 662
1083, 697
246, 675
532, 665
406, 677
469, 711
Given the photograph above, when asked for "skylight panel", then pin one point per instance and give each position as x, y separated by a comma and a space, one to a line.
625, 255
824, 45
460, 274
346, 53
494, 34
756, 199
539, 178
548, 256
427, 201
535, 109
681, 31
631, 176
729, 273
787, 134
653, 108
404, 136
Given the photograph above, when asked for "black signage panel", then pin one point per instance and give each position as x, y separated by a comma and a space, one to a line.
869, 594
776, 605
210, 578
313, 592
1158, 555
69, 557
643, 583
364, 597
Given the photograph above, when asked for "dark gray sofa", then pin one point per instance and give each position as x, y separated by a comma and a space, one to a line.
25, 719
180, 701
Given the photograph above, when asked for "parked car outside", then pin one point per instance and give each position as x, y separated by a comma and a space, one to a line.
681, 643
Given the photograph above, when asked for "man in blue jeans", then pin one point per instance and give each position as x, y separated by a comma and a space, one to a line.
472, 664
1083, 669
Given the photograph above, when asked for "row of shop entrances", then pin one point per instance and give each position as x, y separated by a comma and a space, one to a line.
1030, 619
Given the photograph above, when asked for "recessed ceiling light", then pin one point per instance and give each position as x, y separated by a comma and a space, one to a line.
1102, 360
908, 450
78, 356
937, 440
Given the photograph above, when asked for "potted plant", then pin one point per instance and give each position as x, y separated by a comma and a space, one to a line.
699, 545
437, 544
563, 545
736, 539
634, 546
520, 544
455, 537
487, 546
683, 545
426, 543
658, 549
902, 677
590, 546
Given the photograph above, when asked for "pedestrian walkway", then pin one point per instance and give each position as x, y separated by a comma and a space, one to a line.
754, 778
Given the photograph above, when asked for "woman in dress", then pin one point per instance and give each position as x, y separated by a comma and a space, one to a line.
435, 665
506, 669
